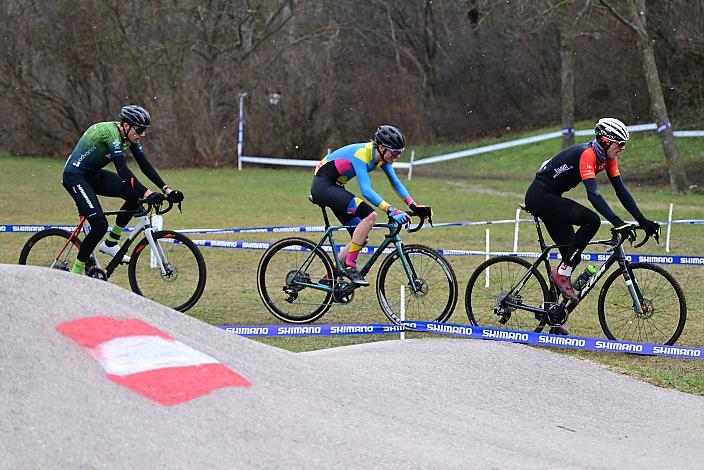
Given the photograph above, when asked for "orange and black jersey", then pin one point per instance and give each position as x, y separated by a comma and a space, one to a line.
579, 163
568, 168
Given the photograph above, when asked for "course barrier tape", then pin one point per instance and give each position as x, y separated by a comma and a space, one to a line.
21, 228
367, 250
467, 331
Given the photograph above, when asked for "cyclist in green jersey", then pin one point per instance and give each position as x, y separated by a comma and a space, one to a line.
84, 178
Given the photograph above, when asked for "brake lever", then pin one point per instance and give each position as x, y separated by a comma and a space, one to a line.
638, 245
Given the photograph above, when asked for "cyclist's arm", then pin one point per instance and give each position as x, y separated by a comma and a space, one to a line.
126, 174
365, 185
600, 203
396, 183
147, 167
625, 197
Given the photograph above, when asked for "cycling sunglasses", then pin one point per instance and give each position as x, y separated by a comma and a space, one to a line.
395, 152
621, 143
140, 129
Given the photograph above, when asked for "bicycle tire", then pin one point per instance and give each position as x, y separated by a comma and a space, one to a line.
481, 302
278, 264
183, 286
44, 248
622, 322
434, 275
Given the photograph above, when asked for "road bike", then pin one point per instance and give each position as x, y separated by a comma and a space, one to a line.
165, 266
299, 282
639, 302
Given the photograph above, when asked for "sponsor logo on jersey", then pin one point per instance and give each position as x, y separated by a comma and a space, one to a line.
82, 157
561, 169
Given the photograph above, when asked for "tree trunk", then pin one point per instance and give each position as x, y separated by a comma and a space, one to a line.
567, 76
678, 179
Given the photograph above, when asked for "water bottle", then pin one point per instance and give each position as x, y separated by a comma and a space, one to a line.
584, 278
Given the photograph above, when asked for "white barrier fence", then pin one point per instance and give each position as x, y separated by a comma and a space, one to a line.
463, 153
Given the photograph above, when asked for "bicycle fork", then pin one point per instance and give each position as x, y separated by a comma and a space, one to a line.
633, 288
158, 255
407, 266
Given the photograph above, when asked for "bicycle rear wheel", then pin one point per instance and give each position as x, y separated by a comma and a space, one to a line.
184, 281
490, 283
664, 306
284, 267
50, 248
435, 295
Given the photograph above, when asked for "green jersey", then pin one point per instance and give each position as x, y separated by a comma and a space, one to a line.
101, 144
98, 146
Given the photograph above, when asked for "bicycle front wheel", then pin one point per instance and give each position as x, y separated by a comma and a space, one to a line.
663, 304
183, 281
431, 292
50, 248
494, 282
284, 270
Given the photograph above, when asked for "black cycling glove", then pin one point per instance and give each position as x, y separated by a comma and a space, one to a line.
175, 196
155, 199
650, 226
626, 230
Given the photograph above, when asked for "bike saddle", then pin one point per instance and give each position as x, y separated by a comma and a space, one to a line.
310, 198
522, 205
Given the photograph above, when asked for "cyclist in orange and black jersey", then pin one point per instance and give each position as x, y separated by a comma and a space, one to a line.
565, 171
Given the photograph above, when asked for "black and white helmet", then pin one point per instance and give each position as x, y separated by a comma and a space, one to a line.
135, 116
390, 137
611, 129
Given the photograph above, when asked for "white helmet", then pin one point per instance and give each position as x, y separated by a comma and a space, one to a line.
611, 129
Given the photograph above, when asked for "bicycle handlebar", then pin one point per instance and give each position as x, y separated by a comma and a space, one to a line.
145, 207
619, 238
398, 227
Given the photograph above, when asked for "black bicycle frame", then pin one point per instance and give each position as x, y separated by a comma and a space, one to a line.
617, 256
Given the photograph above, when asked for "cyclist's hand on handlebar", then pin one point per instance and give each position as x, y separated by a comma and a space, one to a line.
423, 212
627, 231
399, 216
651, 227
155, 199
175, 196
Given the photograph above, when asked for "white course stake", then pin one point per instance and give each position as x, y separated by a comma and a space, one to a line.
410, 166
403, 312
486, 271
669, 226
515, 231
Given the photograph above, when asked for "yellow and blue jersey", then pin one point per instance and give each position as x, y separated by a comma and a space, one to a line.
359, 160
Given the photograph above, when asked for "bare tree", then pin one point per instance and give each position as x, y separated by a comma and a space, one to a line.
634, 18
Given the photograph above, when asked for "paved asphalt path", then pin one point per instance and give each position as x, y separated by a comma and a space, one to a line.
434, 403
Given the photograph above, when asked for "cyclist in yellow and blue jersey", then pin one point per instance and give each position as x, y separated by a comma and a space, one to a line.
342, 165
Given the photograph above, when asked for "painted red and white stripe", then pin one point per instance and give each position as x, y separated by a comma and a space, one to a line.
140, 357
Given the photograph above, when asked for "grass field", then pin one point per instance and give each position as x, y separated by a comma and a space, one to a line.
484, 187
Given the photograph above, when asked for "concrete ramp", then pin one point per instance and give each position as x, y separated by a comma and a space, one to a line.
440, 403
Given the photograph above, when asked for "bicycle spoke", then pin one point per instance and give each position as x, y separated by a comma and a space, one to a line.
49, 248
431, 296
181, 283
482, 300
283, 273
663, 306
